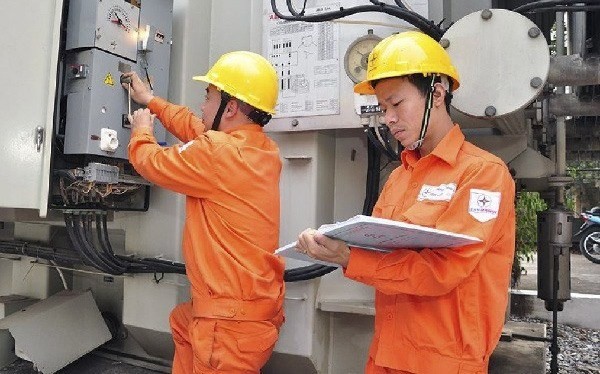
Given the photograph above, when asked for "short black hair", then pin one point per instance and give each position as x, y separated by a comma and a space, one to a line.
422, 83
254, 114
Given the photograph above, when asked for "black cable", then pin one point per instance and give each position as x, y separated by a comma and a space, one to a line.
105, 244
400, 4
106, 258
70, 225
380, 147
102, 229
373, 174
413, 18
298, 271
550, 3
565, 8
72, 258
98, 262
307, 275
148, 78
291, 9
384, 131
102, 253
35, 250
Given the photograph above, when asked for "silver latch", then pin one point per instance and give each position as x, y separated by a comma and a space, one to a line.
39, 137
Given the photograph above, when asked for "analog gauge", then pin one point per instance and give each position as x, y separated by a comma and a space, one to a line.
119, 17
357, 55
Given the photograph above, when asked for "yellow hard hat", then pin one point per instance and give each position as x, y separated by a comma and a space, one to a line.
247, 76
406, 53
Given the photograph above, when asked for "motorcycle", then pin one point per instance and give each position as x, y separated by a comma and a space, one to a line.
589, 235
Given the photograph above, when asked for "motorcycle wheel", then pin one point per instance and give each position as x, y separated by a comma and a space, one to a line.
589, 244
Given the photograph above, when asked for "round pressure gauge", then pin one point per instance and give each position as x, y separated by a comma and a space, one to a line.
357, 55
119, 17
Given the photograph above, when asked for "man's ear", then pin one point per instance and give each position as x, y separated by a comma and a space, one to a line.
439, 94
231, 109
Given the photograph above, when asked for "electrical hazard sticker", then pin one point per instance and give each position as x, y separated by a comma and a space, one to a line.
108, 80
484, 205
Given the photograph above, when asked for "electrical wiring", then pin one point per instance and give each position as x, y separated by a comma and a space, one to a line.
293, 11
549, 4
385, 141
565, 8
60, 274
83, 252
411, 17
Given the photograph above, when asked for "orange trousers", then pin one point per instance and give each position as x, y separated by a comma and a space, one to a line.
208, 345
372, 369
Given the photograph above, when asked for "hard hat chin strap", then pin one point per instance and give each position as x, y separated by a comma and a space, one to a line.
426, 115
225, 97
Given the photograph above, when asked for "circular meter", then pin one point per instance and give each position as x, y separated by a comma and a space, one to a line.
119, 17
357, 56
116, 30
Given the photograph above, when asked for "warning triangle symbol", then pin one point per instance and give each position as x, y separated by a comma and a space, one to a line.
109, 80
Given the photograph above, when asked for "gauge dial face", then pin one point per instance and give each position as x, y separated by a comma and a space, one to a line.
117, 23
119, 17
357, 55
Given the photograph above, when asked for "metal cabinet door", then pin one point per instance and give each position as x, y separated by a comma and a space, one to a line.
28, 68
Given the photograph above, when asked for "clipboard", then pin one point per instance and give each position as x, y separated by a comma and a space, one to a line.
380, 234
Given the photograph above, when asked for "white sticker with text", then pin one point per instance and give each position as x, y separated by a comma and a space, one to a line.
443, 192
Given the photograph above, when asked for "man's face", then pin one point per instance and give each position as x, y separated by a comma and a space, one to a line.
210, 106
403, 107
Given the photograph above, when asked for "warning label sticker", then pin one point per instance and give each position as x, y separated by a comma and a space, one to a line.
108, 80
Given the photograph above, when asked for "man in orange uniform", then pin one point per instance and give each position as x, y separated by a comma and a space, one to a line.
437, 310
230, 176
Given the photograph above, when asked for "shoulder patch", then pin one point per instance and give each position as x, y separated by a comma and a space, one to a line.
484, 205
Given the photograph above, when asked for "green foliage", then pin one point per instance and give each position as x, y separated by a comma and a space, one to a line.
528, 204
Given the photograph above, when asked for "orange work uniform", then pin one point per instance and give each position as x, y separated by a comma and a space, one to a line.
231, 183
442, 310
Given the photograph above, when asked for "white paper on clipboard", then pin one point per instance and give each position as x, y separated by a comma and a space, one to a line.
381, 234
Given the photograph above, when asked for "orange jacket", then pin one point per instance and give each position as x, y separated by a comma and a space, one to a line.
231, 183
442, 310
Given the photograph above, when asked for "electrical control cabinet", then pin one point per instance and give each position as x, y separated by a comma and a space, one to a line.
110, 25
102, 40
94, 100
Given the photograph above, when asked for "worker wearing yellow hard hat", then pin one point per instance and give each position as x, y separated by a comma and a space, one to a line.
230, 176
436, 310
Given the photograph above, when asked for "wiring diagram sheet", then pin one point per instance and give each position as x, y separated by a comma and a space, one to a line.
306, 57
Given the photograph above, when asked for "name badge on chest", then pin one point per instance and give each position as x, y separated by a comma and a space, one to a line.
443, 192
